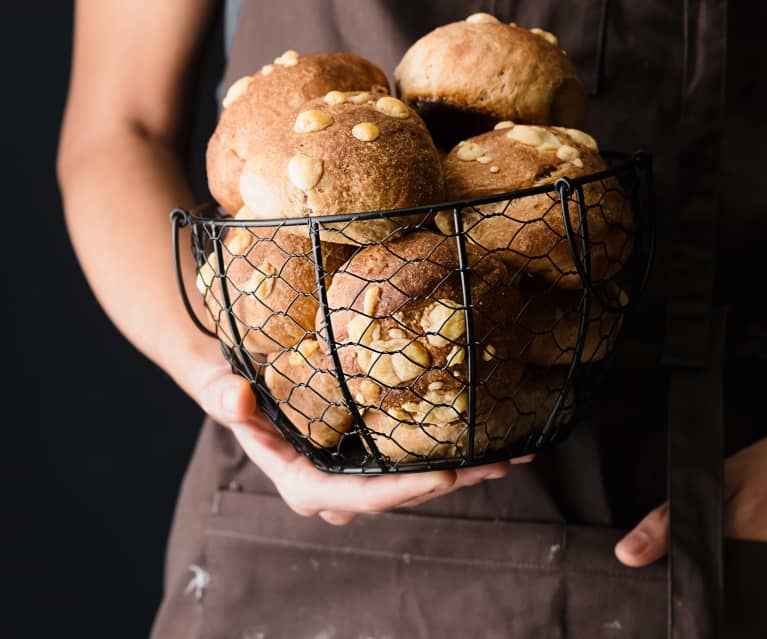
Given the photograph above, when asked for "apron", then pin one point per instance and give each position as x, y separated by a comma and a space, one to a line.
530, 555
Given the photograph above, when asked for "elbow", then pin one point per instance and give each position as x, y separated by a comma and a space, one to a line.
82, 151
80, 148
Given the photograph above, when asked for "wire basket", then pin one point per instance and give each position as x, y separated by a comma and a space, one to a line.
473, 332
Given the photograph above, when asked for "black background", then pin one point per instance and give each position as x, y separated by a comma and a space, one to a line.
95, 438
93, 471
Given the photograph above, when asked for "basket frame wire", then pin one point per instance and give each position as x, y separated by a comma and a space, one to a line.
229, 309
468, 318
179, 219
359, 424
242, 359
564, 188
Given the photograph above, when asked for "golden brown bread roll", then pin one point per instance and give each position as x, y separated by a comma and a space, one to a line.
303, 381
272, 285
400, 440
466, 76
522, 406
529, 233
413, 284
345, 153
546, 330
398, 318
269, 99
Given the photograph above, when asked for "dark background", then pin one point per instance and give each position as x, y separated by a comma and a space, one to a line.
93, 471
96, 439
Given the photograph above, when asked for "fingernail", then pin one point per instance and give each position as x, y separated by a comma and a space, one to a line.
497, 475
635, 544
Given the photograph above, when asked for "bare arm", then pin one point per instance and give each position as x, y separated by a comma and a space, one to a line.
121, 174
119, 170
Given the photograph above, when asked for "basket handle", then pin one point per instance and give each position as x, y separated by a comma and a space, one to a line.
179, 218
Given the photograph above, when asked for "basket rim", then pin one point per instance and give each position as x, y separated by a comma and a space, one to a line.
622, 163
210, 219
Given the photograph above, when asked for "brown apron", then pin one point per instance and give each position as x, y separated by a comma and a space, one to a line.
530, 555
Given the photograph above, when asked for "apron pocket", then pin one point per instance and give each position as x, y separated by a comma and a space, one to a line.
275, 574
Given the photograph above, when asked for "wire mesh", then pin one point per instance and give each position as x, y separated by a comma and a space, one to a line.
474, 332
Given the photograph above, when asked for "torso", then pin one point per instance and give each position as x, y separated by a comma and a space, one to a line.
472, 560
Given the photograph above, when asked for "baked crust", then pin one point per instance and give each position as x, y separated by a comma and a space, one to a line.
303, 381
272, 286
268, 100
523, 409
399, 324
365, 153
465, 76
546, 330
528, 233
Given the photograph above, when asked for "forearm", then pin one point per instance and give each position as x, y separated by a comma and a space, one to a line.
120, 175
118, 190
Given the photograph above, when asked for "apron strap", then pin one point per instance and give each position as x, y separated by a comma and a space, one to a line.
695, 474
694, 340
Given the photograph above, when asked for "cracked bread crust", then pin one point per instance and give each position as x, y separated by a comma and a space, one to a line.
398, 320
529, 233
303, 381
272, 286
270, 99
549, 323
528, 402
345, 153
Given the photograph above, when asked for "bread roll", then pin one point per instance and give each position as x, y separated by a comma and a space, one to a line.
522, 406
536, 396
398, 318
272, 286
466, 76
345, 153
269, 100
303, 380
546, 330
529, 232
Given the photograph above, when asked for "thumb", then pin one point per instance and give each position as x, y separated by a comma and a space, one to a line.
227, 398
647, 542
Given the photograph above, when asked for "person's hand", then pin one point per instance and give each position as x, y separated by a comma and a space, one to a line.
745, 510
335, 498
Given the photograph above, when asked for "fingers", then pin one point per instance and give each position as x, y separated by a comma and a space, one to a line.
747, 466
338, 498
265, 446
336, 518
227, 397
464, 477
647, 542
309, 491
375, 494
476, 474
745, 492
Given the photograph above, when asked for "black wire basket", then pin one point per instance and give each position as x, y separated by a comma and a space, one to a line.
471, 332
